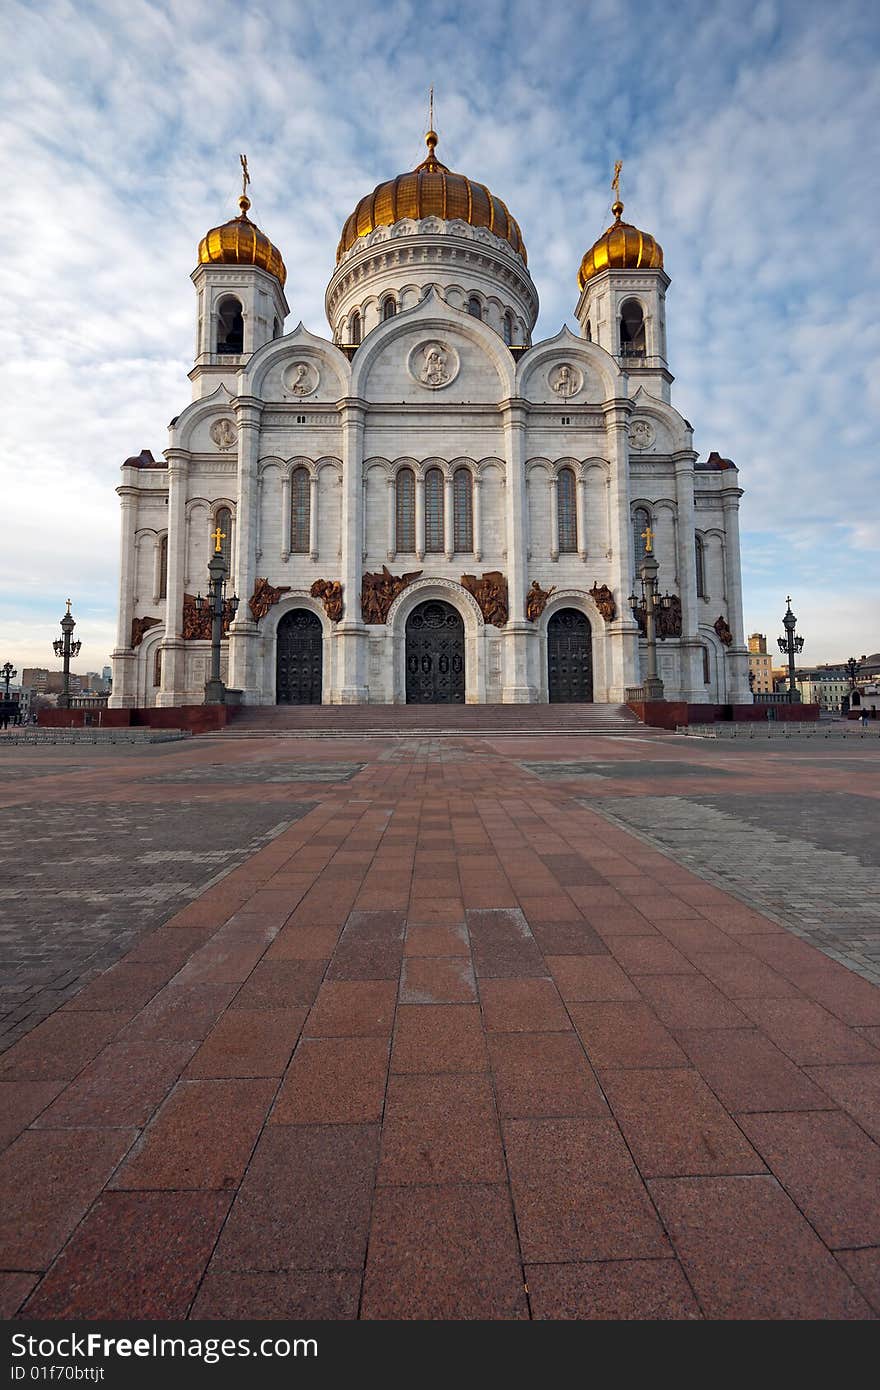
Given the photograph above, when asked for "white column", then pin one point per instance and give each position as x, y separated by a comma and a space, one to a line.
623, 663
420, 516
243, 633
478, 518
519, 633
173, 649
448, 519
692, 686
313, 516
286, 518
581, 495
351, 634
124, 659
392, 518
554, 517
736, 656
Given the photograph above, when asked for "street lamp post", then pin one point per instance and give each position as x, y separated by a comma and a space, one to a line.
63, 646
215, 690
852, 670
788, 645
651, 600
8, 672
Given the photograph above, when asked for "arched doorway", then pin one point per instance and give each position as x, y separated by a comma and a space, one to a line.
569, 658
298, 659
434, 655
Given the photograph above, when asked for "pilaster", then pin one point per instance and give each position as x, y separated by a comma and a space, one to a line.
519, 633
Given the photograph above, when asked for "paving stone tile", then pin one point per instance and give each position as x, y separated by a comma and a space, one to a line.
352, 1009
20, 1103
740, 975
611, 922
14, 1289
611, 1290
121, 1087
437, 980
690, 1001
749, 1253
829, 1167
590, 978
191, 1142
440, 1129
695, 937
674, 1126
304, 1203
249, 1042
303, 943
439, 1038
568, 939
436, 941
856, 1089
844, 994
180, 1012
59, 1047
124, 988
807, 1033
523, 1006
625, 1035
863, 1267
445, 1252
577, 1194
280, 984
220, 965
297, 1295
48, 1180
137, 1255
549, 908
447, 911
334, 1081
503, 945
650, 955
747, 1072
543, 1075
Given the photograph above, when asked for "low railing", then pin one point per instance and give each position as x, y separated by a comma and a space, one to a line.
634, 693
777, 697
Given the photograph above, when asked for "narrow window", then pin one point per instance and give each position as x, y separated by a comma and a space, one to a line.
589, 332
163, 567
507, 329
276, 327
632, 329
223, 519
434, 510
463, 523
567, 504
475, 308
354, 327
157, 666
701, 567
299, 511
405, 540
641, 522
389, 309
230, 326
707, 674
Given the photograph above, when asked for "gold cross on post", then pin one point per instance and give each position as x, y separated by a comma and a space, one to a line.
69, 601
245, 176
218, 536
615, 182
648, 537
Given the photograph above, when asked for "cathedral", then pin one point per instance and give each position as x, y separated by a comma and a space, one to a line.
426, 506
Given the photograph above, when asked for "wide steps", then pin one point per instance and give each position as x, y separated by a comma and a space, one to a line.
395, 721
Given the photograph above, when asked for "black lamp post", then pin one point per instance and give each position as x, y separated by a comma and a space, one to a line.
65, 647
788, 645
650, 601
852, 670
8, 672
215, 690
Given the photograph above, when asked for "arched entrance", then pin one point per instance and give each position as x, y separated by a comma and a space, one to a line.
569, 658
434, 655
298, 659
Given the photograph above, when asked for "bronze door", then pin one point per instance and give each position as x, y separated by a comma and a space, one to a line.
299, 659
569, 658
434, 656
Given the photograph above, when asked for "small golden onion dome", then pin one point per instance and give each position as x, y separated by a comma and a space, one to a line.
240, 242
431, 190
621, 247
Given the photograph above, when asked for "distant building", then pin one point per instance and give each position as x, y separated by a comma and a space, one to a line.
35, 678
825, 686
760, 664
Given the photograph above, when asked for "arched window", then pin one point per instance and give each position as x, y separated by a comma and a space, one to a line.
163, 567
507, 329
299, 511
462, 513
389, 309
354, 328
641, 522
701, 567
157, 666
406, 512
433, 510
566, 501
632, 329
475, 308
589, 331
223, 519
707, 670
230, 326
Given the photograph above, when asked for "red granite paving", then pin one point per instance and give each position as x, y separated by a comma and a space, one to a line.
452, 1046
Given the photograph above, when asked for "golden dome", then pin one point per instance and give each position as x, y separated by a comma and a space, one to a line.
240, 242
431, 190
621, 247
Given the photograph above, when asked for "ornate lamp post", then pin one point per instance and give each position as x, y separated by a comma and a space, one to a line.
65, 647
215, 690
852, 670
788, 645
8, 672
650, 601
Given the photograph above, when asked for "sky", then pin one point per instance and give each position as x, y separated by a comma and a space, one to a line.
746, 129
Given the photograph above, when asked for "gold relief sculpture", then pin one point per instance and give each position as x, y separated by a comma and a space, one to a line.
725, 636
490, 592
378, 592
140, 626
604, 601
264, 596
329, 591
196, 625
537, 599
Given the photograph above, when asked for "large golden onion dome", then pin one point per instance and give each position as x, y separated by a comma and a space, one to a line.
431, 190
240, 242
621, 247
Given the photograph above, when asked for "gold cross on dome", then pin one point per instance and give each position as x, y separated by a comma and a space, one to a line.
615, 182
218, 536
69, 601
648, 537
245, 176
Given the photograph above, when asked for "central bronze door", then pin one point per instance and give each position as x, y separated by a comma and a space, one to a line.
434, 655
299, 659
569, 658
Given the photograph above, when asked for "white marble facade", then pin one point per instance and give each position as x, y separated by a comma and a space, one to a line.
296, 443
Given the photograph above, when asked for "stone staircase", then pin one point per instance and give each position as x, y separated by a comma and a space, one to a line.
396, 721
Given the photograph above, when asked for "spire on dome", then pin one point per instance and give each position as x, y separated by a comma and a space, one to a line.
244, 201
617, 205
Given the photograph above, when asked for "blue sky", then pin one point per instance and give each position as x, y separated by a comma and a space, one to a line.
747, 130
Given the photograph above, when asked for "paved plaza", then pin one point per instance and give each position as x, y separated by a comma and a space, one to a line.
473, 1026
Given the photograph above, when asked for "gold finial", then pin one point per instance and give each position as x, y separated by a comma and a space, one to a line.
431, 137
69, 601
218, 536
617, 205
648, 537
244, 201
